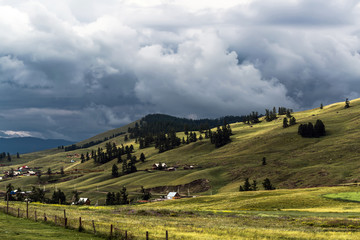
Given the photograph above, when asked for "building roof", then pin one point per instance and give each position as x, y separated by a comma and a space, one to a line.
172, 194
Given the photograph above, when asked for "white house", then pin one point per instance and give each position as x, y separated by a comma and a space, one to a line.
84, 201
173, 195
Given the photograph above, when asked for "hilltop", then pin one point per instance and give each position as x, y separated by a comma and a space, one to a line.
292, 161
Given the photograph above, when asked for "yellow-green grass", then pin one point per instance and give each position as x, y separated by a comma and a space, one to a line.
17, 228
292, 161
243, 215
345, 196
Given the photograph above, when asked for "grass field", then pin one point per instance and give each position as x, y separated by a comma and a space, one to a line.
292, 161
15, 228
279, 214
300, 208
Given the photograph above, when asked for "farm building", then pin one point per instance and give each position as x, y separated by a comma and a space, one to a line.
84, 201
157, 166
173, 195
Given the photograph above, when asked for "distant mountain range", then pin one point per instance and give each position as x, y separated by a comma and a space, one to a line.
29, 144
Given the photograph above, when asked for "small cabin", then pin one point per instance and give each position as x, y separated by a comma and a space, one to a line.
157, 166
84, 201
173, 195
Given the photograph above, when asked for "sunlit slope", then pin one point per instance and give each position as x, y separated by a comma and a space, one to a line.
292, 161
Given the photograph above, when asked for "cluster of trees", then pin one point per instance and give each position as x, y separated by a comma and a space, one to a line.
128, 164
145, 194
7, 156
165, 142
221, 136
153, 124
35, 195
253, 186
112, 152
252, 118
284, 111
89, 144
58, 197
271, 115
118, 198
287, 123
310, 131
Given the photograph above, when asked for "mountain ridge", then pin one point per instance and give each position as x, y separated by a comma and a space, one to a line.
24, 145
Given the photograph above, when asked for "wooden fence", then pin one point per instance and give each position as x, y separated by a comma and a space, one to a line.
78, 224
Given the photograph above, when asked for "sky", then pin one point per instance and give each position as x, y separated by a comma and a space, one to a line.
72, 69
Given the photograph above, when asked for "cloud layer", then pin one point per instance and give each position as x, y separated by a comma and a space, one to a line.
71, 69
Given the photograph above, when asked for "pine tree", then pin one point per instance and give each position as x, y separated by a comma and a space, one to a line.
124, 166
319, 129
253, 186
292, 121
347, 103
123, 196
75, 198
146, 195
285, 123
114, 171
321, 106
142, 157
17, 155
8, 157
267, 184
62, 171
247, 186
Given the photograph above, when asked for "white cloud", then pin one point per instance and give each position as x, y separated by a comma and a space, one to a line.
203, 58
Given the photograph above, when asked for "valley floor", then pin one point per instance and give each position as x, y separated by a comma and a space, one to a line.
279, 214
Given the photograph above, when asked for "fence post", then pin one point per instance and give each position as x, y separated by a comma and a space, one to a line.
27, 209
35, 216
18, 212
65, 222
111, 230
94, 226
45, 218
147, 235
7, 204
64, 213
80, 227
55, 219
167, 235
125, 234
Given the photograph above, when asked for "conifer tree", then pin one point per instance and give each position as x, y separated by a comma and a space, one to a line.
285, 123
142, 157
347, 103
123, 196
114, 171
292, 121
253, 186
321, 106
247, 185
267, 184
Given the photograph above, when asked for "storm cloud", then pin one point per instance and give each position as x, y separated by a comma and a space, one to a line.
71, 69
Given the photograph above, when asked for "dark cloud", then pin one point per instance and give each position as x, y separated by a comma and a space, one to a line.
71, 69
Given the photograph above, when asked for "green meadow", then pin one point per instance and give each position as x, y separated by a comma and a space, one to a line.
278, 214
316, 194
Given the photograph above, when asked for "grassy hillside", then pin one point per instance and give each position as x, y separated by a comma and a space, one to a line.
279, 214
292, 161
